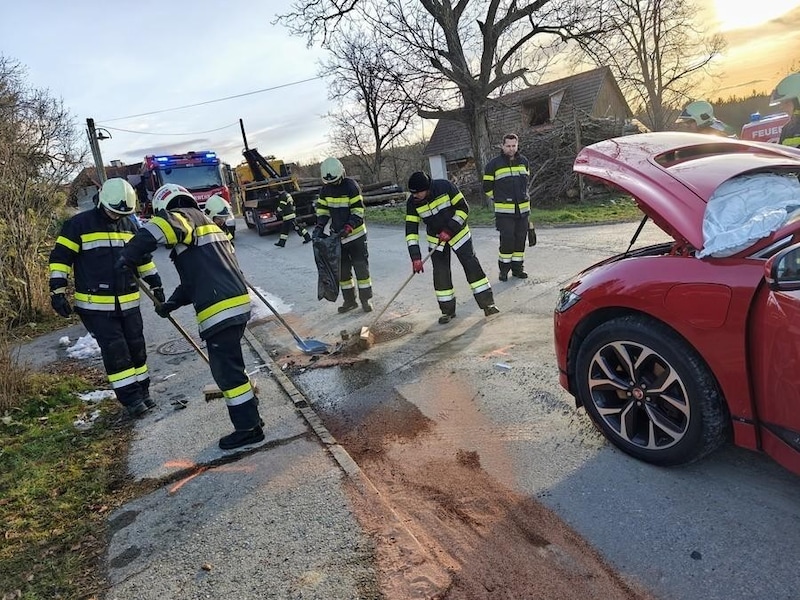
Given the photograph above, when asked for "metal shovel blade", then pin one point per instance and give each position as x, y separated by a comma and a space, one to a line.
311, 346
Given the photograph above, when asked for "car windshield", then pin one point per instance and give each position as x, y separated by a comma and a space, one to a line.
203, 177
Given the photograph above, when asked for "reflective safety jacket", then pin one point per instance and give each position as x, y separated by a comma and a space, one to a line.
505, 181
790, 134
90, 243
206, 264
286, 207
342, 204
444, 208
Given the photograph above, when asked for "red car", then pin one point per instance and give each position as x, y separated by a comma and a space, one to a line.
671, 354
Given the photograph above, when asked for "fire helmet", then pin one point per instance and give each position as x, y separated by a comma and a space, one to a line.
700, 112
787, 90
331, 170
118, 196
419, 182
217, 206
172, 195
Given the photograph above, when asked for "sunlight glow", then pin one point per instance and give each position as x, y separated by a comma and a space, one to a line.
734, 15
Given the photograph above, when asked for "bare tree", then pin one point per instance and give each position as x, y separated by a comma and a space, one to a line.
373, 111
39, 149
657, 52
461, 54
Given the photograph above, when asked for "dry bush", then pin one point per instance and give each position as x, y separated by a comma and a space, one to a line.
14, 376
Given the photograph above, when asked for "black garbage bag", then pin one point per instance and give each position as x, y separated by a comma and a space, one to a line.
327, 254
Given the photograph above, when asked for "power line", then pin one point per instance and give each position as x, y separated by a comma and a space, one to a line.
269, 89
155, 133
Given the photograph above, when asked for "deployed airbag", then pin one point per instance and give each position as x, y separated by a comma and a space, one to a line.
746, 209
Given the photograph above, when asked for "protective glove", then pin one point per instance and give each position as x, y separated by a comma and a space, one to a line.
60, 304
417, 265
163, 309
123, 262
444, 236
346, 230
158, 294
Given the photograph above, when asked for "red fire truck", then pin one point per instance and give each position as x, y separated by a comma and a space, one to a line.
202, 173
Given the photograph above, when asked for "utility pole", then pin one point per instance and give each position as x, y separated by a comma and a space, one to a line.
98, 158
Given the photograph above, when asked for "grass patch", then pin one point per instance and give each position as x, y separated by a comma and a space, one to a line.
57, 485
612, 209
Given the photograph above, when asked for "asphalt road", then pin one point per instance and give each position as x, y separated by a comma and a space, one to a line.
727, 527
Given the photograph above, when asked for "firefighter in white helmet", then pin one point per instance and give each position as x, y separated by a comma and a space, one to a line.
219, 210
340, 203
286, 212
210, 280
699, 117
106, 300
787, 95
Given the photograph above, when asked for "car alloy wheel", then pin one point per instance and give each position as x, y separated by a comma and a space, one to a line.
649, 392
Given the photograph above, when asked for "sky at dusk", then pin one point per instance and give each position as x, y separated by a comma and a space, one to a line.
116, 61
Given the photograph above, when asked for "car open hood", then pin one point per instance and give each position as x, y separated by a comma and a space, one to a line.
673, 174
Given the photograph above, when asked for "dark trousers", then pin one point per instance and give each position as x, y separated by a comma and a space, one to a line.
287, 226
443, 277
513, 235
122, 346
227, 368
355, 257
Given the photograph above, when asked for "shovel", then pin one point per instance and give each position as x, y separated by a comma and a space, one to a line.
366, 338
309, 346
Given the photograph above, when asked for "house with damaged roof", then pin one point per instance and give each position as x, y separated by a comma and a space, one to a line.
574, 111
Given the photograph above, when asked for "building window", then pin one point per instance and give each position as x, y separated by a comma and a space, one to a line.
538, 112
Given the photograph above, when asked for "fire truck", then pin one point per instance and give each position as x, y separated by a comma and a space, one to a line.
201, 172
764, 129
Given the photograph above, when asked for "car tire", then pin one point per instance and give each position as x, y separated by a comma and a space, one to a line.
670, 411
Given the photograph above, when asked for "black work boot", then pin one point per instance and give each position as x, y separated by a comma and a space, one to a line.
446, 318
241, 438
149, 402
519, 274
349, 297
503, 276
137, 410
366, 305
280, 243
491, 310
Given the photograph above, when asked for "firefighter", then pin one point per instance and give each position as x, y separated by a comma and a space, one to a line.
699, 117
444, 210
219, 210
106, 300
787, 95
340, 202
505, 182
289, 218
210, 279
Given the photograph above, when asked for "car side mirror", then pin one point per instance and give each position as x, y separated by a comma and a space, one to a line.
782, 271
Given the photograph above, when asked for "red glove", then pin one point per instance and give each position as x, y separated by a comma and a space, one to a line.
417, 266
346, 230
445, 236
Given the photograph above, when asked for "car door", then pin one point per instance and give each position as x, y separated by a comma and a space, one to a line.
775, 357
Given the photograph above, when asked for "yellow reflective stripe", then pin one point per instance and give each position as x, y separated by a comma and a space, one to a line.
490, 194
166, 229
412, 238
222, 305
480, 286
57, 269
146, 268
187, 239
364, 283
106, 235
791, 141
233, 392
338, 201
488, 177
206, 229
445, 295
347, 284
456, 199
116, 377
68, 243
413, 219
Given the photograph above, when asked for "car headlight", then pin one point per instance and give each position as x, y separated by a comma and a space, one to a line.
566, 300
